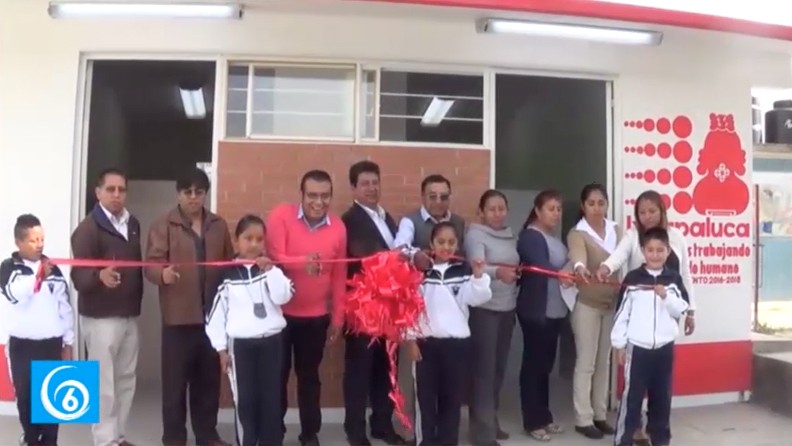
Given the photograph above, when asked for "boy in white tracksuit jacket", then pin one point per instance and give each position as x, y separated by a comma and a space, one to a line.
41, 321
651, 302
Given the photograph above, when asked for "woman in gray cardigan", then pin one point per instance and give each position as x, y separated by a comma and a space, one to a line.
491, 324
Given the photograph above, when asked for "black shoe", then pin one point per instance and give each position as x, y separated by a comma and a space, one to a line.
358, 441
642, 442
488, 443
501, 435
604, 427
589, 432
309, 441
390, 438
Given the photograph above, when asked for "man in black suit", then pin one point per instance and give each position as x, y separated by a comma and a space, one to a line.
366, 368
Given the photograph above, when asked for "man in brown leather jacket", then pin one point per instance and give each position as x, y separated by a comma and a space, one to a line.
188, 233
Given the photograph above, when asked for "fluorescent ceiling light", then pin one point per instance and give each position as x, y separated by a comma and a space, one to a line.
772, 12
436, 112
144, 10
193, 102
573, 31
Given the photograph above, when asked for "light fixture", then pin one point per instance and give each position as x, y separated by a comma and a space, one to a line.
572, 31
66, 9
436, 112
193, 102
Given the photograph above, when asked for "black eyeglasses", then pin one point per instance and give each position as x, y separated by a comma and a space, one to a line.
438, 197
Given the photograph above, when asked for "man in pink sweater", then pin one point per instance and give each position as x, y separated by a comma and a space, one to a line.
302, 235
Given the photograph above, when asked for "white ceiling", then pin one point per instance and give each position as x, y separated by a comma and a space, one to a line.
149, 90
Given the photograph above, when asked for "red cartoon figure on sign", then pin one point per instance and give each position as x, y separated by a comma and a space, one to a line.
721, 191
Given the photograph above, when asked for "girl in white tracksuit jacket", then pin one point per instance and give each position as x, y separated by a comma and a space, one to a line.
440, 345
244, 326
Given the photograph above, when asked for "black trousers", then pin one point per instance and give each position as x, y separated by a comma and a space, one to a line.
304, 341
189, 362
258, 382
540, 345
646, 371
439, 381
20, 353
366, 379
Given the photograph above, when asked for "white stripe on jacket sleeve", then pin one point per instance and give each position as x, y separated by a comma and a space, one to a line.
217, 318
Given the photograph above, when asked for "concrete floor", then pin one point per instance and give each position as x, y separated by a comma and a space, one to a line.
725, 425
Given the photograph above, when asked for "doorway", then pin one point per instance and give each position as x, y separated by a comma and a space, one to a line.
151, 119
550, 133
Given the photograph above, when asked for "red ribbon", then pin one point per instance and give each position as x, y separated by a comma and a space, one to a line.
105, 263
559, 275
384, 303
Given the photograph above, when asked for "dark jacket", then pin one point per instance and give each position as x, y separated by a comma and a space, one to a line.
532, 297
97, 238
423, 230
172, 239
363, 235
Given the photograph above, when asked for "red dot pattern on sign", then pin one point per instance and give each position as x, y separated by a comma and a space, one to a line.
664, 176
626, 123
629, 201
663, 125
649, 125
650, 149
682, 126
626, 150
683, 202
666, 200
682, 177
664, 150
683, 152
639, 150
649, 176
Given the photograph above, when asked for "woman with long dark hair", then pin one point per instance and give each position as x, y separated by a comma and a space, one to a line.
650, 212
540, 311
592, 240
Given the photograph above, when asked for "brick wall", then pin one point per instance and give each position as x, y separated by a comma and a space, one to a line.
255, 176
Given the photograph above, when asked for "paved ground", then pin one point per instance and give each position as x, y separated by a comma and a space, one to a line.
727, 425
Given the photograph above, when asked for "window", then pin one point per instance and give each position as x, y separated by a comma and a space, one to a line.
429, 107
291, 102
368, 111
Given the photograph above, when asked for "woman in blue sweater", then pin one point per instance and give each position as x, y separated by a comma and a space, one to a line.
540, 311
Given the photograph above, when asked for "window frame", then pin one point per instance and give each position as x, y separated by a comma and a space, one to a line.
251, 67
360, 68
486, 118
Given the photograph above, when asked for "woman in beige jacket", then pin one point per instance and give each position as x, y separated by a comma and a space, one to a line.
590, 242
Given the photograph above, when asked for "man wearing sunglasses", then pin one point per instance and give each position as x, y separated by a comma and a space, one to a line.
415, 228
188, 234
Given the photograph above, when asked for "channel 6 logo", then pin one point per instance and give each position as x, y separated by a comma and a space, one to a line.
64, 392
